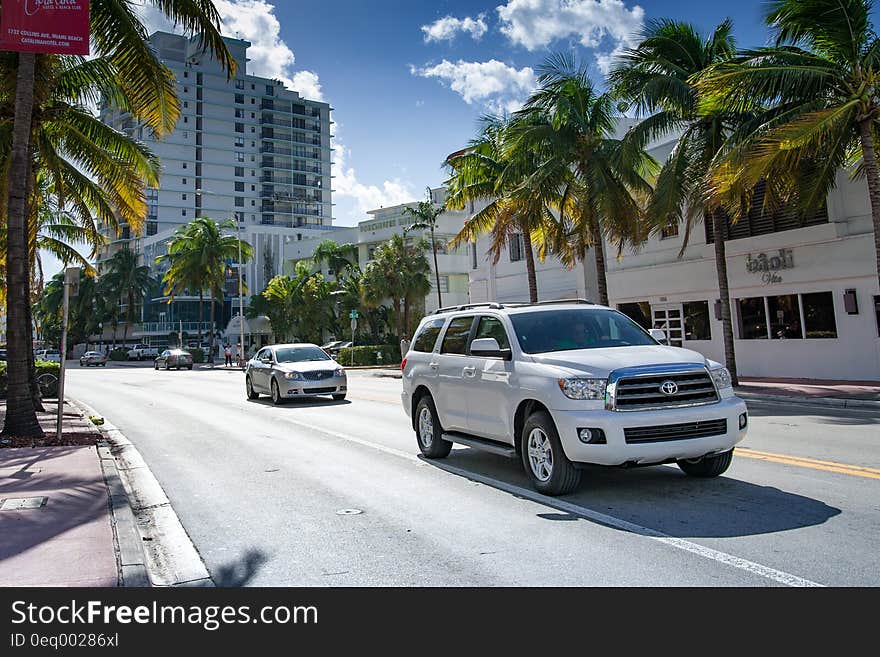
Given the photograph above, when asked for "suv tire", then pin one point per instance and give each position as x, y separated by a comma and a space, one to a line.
429, 431
708, 466
544, 460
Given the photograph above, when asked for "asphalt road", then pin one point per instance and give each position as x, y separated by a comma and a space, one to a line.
334, 493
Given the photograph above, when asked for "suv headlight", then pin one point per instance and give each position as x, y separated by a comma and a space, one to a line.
339, 373
583, 388
296, 376
721, 377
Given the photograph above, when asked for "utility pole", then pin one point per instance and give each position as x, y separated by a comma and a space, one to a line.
240, 293
71, 288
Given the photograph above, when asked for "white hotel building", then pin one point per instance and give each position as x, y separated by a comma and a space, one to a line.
247, 149
804, 294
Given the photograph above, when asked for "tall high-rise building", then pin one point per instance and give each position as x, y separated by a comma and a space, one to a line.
247, 149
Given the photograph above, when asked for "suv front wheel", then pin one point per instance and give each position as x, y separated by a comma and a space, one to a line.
708, 466
546, 465
429, 431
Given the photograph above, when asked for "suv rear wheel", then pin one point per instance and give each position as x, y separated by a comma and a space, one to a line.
708, 466
545, 463
429, 431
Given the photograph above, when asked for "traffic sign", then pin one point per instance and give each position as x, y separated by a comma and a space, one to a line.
353, 314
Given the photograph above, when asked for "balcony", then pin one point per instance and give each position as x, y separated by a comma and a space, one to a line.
164, 328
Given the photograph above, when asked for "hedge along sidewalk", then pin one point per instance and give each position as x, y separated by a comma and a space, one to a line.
368, 355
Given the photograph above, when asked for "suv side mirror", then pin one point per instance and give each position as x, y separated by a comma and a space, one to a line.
659, 335
489, 348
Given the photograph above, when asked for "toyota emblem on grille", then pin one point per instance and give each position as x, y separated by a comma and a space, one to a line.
669, 388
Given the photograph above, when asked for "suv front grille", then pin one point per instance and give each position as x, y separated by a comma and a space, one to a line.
666, 432
318, 375
643, 392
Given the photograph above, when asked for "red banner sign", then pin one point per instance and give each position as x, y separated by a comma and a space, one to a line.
48, 26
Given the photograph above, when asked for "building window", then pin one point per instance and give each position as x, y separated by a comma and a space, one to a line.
444, 284
752, 319
239, 84
637, 311
253, 128
253, 188
516, 247
239, 127
239, 113
184, 165
474, 263
819, 320
239, 201
239, 98
785, 317
186, 74
185, 104
239, 156
183, 213
239, 186
253, 101
696, 320
184, 180
186, 119
239, 142
669, 231
239, 171
239, 217
183, 197
299, 239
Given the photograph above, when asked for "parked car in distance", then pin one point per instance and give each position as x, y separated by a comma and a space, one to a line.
330, 345
559, 385
142, 352
290, 371
2, 354
95, 358
52, 355
334, 351
173, 358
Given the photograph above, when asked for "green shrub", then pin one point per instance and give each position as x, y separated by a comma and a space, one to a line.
197, 354
369, 355
42, 366
119, 353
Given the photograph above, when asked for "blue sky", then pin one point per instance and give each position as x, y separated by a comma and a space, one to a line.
408, 80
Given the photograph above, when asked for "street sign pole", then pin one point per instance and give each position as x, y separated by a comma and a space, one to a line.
71, 281
353, 315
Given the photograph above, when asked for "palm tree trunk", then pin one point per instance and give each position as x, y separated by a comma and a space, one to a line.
599, 250
436, 269
201, 299
719, 230
873, 175
21, 416
529, 255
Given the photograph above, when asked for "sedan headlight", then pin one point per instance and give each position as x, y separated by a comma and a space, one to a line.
583, 388
296, 376
721, 377
339, 372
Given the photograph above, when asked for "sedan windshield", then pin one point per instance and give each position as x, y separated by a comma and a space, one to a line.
581, 328
299, 354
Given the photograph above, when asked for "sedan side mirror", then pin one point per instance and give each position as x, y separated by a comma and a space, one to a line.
489, 348
659, 335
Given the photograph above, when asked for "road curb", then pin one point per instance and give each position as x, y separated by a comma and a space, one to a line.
155, 549
828, 402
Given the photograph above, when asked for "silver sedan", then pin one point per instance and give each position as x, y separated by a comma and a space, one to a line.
289, 371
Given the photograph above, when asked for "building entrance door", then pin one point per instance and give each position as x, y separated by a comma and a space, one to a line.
669, 318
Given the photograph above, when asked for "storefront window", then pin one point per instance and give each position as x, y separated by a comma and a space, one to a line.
696, 320
752, 319
639, 312
819, 315
785, 317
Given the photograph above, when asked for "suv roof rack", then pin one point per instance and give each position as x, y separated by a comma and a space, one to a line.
468, 306
519, 304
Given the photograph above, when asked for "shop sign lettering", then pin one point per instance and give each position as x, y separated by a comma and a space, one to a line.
769, 266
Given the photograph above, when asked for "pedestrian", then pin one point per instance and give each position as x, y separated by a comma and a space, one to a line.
238, 353
227, 352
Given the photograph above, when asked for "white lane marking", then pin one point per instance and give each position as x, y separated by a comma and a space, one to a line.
694, 548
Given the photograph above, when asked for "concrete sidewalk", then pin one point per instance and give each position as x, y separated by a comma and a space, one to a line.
56, 525
841, 394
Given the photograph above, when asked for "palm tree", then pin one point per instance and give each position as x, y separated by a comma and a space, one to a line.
127, 282
601, 178
197, 255
819, 81
425, 216
97, 171
657, 77
494, 171
339, 257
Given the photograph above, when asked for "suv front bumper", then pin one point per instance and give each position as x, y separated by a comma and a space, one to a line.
616, 451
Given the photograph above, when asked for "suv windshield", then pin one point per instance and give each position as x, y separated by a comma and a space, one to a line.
299, 354
576, 328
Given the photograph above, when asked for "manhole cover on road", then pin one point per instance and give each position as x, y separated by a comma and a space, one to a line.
19, 503
348, 512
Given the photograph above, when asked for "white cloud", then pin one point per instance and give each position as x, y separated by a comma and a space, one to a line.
253, 21
493, 84
446, 28
535, 24
367, 197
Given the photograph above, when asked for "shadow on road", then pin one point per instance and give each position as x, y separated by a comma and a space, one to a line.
240, 572
302, 402
664, 499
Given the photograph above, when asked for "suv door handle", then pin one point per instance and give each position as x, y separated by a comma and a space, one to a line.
433, 366
469, 371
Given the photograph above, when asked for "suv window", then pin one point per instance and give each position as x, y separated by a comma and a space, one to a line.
456, 339
588, 328
491, 327
427, 337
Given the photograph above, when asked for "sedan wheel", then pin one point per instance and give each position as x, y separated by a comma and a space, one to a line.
276, 393
249, 387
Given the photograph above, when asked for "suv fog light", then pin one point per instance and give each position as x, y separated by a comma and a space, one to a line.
743, 420
592, 436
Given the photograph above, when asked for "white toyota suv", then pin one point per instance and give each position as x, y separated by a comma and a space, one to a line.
562, 384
